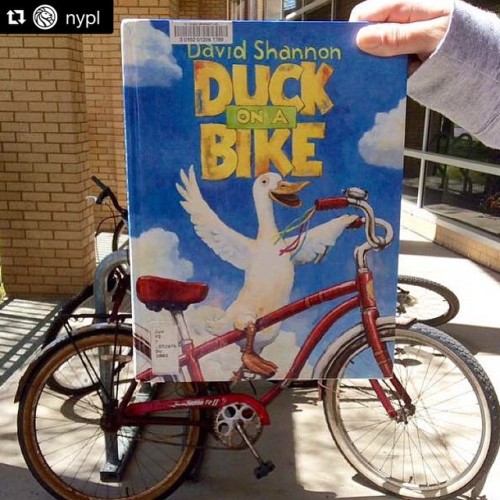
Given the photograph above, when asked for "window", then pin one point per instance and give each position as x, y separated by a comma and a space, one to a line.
456, 177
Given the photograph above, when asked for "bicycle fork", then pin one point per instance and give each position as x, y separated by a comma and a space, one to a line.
369, 314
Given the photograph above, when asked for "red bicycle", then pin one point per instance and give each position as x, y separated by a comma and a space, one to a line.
428, 428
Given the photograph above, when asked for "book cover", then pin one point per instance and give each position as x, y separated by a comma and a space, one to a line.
233, 131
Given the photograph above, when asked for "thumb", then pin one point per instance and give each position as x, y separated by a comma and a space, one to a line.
390, 39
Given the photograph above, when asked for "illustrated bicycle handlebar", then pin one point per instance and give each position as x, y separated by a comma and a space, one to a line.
356, 197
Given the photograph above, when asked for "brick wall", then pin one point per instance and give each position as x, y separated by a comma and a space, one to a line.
61, 120
202, 9
103, 79
45, 223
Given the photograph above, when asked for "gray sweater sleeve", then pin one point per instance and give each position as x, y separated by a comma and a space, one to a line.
461, 79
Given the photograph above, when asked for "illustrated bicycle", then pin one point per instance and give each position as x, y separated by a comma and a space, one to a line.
428, 429
424, 300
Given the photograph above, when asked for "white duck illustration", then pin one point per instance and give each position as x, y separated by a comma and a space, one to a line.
269, 272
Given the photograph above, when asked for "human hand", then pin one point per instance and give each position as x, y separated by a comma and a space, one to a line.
413, 27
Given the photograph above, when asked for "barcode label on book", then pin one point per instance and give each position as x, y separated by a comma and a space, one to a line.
187, 32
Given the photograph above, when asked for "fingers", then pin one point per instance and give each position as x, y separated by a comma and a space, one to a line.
406, 26
399, 11
391, 39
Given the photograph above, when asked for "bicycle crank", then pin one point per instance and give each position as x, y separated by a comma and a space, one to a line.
237, 426
233, 418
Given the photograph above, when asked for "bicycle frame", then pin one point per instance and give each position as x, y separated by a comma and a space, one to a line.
359, 294
132, 412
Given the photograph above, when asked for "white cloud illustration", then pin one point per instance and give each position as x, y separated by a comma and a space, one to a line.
383, 144
156, 252
147, 56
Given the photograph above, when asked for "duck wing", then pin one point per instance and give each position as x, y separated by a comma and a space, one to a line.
320, 239
227, 243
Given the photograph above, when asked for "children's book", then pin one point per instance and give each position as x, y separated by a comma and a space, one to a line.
260, 156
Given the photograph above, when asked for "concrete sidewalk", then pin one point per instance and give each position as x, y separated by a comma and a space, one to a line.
308, 465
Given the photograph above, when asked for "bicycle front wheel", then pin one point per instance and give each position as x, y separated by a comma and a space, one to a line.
120, 241
438, 446
427, 301
77, 448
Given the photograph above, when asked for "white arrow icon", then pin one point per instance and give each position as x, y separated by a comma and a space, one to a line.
13, 14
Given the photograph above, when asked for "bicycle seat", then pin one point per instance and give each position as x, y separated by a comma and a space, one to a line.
164, 293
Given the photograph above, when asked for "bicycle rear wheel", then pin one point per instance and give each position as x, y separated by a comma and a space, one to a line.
429, 302
74, 315
439, 446
63, 438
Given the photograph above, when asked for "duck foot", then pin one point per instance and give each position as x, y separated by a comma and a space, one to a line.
253, 362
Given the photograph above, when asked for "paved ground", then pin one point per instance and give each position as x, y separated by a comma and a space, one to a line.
308, 466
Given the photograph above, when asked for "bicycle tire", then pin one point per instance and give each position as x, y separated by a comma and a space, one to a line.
429, 302
119, 235
57, 325
62, 438
421, 455
67, 319
120, 241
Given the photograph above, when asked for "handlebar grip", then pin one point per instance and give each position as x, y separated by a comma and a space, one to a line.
331, 203
99, 183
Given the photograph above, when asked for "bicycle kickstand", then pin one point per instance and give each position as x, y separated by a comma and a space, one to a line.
264, 468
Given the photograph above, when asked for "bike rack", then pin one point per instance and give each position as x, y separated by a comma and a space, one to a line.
118, 450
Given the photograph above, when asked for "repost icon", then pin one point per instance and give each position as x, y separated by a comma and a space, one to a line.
16, 17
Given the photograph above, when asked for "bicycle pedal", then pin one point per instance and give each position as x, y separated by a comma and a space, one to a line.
264, 469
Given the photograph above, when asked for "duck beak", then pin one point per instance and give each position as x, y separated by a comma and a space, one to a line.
285, 193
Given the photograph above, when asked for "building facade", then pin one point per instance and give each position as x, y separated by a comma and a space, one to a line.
61, 121
451, 180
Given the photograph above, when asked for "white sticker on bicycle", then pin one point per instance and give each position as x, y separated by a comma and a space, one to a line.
164, 348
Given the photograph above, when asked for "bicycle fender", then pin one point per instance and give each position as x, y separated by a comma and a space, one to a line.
331, 351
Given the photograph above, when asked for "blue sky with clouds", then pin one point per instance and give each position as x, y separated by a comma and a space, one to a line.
362, 147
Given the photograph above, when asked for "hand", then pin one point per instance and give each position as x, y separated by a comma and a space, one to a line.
413, 27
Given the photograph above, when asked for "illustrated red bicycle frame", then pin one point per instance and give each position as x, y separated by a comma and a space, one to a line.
363, 297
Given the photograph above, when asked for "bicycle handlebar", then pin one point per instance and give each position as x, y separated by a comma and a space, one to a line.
356, 197
100, 183
331, 203
105, 192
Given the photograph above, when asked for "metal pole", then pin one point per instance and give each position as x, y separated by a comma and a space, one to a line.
109, 472
421, 176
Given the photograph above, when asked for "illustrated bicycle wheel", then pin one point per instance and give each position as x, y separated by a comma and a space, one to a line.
71, 443
429, 302
438, 446
74, 315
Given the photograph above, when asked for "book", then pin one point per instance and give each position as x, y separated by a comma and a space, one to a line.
234, 130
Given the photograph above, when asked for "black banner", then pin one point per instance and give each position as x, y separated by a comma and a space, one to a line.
56, 17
